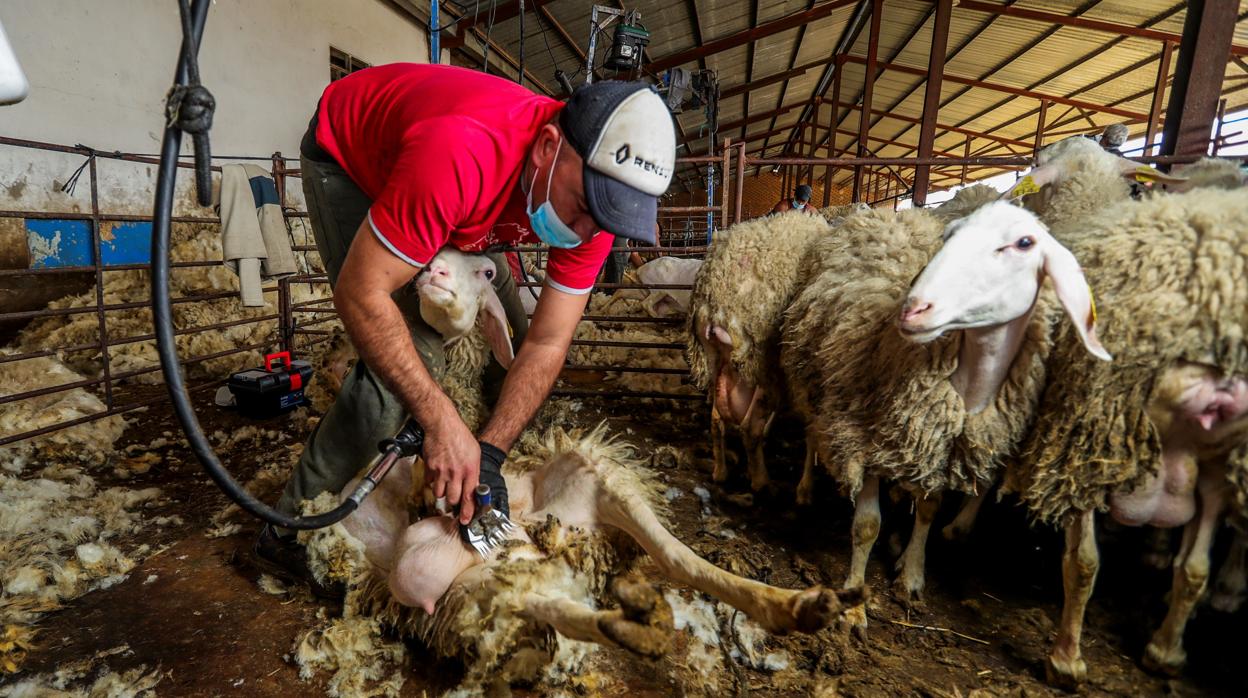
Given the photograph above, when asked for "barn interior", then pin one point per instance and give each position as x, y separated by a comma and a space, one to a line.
125, 569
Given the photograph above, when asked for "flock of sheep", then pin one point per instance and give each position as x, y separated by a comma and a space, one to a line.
961, 348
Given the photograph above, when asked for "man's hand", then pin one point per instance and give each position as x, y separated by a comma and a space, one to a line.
492, 459
452, 462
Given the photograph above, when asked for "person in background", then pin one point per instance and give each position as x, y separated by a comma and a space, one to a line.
799, 202
1114, 136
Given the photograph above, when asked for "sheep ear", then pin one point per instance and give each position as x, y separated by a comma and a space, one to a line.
1145, 175
1032, 183
1075, 295
497, 331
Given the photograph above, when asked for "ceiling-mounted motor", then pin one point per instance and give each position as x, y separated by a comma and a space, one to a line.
628, 40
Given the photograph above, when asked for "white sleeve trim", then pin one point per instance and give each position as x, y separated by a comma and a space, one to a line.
389, 246
566, 289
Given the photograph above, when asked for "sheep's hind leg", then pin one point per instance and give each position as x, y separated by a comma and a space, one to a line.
866, 528
1231, 587
910, 583
961, 526
1191, 574
1080, 563
621, 505
642, 624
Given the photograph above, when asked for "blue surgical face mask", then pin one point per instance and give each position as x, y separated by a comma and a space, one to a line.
546, 224
799, 205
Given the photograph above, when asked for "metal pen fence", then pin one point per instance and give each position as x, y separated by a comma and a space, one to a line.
299, 325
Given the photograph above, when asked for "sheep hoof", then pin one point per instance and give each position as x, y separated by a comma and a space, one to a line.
854, 620
643, 624
1168, 662
955, 533
817, 607
805, 497
1225, 601
909, 592
1159, 560
1066, 673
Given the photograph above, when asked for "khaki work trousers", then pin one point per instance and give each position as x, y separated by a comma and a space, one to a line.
365, 411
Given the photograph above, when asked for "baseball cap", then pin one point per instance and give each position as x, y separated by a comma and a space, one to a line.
803, 192
623, 131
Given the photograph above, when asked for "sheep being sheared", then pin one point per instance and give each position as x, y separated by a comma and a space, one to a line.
930, 384
664, 271
1152, 438
584, 508
748, 279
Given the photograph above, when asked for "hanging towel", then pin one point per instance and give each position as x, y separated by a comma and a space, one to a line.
254, 242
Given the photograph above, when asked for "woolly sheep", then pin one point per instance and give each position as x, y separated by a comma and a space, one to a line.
1155, 437
941, 404
585, 506
739, 296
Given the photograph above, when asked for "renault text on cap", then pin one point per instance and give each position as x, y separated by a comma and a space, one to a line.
637, 145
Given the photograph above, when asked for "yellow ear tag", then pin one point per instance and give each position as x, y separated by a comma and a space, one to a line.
1025, 186
1092, 304
1144, 174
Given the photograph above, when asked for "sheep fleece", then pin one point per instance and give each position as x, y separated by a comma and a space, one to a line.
748, 279
878, 404
1171, 276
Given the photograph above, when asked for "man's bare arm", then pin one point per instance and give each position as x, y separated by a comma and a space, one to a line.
537, 365
376, 326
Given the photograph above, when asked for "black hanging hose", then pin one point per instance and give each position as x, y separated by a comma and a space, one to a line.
189, 109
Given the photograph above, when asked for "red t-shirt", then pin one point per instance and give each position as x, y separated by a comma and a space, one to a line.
439, 150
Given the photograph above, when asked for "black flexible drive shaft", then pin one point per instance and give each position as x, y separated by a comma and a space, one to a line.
189, 108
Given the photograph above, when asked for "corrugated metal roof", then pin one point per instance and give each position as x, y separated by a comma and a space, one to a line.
1091, 65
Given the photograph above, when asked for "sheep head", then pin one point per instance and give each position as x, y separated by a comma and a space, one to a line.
456, 293
989, 272
1077, 154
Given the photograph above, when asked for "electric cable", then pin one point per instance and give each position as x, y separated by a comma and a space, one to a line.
189, 111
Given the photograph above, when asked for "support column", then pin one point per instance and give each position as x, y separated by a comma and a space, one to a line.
1044, 112
1159, 97
829, 172
931, 97
1207, 33
966, 153
868, 88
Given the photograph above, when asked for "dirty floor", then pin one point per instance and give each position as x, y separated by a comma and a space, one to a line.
194, 611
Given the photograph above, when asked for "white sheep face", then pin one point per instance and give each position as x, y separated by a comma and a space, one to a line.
455, 289
452, 287
989, 273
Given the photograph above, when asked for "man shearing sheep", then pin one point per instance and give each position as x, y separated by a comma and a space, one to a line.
401, 160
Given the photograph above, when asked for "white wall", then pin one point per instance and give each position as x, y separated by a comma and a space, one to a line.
99, 70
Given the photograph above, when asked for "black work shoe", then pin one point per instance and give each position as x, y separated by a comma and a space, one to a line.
284, 558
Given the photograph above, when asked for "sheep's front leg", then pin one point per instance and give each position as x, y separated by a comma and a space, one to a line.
910, 583
1232, 584
961, 526
806, 486
866, 528
642, 624
754, 430
777, 610
1080, 563
720, 471
1191, 573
